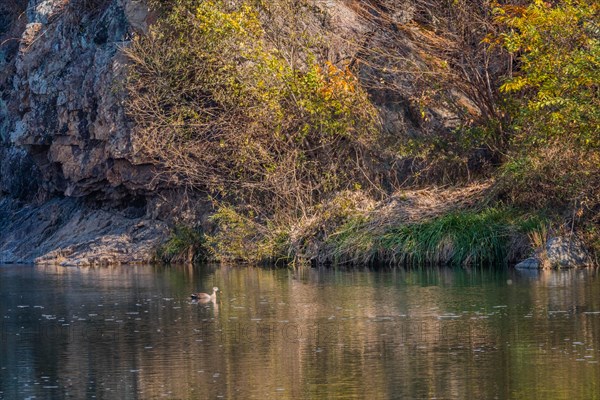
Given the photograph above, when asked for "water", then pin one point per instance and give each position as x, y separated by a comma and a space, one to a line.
132, 333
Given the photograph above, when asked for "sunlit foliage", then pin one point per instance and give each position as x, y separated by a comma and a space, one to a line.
556, 86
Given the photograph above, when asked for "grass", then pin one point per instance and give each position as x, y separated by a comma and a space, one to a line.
184, 245
493, 236
457, 227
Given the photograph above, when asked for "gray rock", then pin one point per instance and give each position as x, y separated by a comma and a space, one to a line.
529, 263
65, 103
67, 232
567, 252
137, 13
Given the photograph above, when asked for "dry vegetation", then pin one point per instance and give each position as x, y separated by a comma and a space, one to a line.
434, 59
247, 119
435, 225
282, 121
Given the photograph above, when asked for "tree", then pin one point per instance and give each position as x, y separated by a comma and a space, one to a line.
556, 85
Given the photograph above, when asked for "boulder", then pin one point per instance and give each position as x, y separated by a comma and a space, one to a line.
559, 252
529, 263
567, 252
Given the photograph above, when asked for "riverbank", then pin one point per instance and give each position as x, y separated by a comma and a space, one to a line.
458, 226
434, 226
282, 132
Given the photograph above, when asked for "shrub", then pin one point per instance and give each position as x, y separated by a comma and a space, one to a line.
430, 60
223, 107
553, 95
241, 238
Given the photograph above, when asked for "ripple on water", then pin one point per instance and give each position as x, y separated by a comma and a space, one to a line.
333, 335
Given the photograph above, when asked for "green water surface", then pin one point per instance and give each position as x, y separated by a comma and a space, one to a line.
133, 333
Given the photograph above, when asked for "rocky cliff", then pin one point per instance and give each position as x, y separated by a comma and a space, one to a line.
62, 103
70, 180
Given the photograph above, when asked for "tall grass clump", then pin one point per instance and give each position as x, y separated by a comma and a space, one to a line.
185, 244
468, 238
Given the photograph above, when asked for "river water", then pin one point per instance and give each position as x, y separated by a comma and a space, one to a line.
133, 333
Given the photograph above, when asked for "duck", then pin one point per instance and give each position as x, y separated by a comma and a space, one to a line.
206, 296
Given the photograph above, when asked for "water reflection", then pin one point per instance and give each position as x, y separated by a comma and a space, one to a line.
133, 332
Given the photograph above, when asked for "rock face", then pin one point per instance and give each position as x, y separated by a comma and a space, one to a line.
69, 232
64, 136
63, 104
